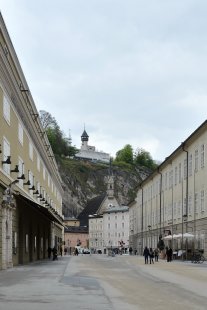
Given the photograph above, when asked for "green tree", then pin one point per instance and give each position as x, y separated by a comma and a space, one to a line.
60, 145
125, 155
143, 158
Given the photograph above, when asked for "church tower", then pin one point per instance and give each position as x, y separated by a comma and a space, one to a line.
84, 139
110, 183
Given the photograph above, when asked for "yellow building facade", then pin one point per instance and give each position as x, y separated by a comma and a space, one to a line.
30, 185
173, 200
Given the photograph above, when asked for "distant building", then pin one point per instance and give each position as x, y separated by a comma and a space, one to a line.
71, 221
107, 221
75, 236
88, 152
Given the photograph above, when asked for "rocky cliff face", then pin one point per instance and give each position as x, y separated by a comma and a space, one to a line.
84, 180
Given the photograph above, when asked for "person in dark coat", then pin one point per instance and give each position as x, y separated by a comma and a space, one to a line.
146, 254
54, 252
49, 251
151, 255
170, 252
130, 251
156, 251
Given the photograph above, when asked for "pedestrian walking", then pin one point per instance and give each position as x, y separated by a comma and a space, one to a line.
151, 255
170, 252
156, 252
49, 251
146, 254
54, 252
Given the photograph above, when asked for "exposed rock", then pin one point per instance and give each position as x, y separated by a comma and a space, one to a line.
85, 180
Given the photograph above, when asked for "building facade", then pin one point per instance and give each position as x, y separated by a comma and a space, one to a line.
173, 200
30, 185
109, 223
88, 152
75, 236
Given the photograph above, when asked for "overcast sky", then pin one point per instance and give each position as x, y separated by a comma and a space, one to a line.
133, 71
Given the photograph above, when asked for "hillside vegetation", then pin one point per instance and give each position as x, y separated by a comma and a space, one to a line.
83, 180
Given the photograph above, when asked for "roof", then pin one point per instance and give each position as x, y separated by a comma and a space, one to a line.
76, 229
84, 136
117, 209
42, 210
91, 208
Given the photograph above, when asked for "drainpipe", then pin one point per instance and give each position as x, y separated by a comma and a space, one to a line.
186, 213
160, 201
142, 222
183, 147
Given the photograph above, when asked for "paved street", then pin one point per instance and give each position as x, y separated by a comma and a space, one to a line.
104, 283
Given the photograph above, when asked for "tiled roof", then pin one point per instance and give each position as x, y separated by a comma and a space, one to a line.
76, 229
91, 208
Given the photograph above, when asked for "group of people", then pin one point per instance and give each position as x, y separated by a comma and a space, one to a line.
150, 254
54, 253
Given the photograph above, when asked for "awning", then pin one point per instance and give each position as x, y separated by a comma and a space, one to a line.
39, 208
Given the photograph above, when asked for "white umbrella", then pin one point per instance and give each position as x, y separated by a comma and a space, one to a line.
169, 237
187, 235
177, 236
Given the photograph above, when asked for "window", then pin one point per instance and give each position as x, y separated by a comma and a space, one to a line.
196, 160
190, 204
108, 226
180, 173
122, 225
6, 153
184, 207
202, 155
166, 180
43, 171
31, 181
170, 179
196, 202
190, 165
115, 225
30, 151
175, 210
38, 162
176, 175
48, 180
21, 171
185, 168
6, 110
20, 133
202, 201
179, 209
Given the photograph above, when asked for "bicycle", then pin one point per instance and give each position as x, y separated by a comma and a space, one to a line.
197, 258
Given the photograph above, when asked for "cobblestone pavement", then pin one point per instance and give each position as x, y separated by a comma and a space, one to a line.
99, 282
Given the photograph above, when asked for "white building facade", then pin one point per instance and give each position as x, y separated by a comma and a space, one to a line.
110, 231
173, 200
88, 152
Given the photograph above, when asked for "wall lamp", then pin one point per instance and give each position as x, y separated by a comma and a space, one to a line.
7, 161
27, 183
22, 177
16, 169
32, 188
14, 182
